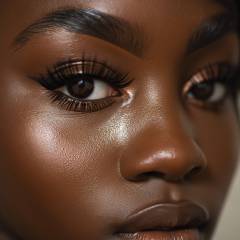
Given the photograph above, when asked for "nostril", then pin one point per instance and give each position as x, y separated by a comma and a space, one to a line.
148, 175
194, 171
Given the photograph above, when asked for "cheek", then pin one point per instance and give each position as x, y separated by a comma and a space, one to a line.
52, 167
49, 177
58, 168
218, 135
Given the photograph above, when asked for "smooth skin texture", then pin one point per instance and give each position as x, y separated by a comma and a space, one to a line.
69, 175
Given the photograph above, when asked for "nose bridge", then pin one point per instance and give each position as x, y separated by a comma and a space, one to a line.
165, 148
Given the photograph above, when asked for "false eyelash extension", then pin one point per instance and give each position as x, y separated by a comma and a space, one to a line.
63, 72
222, 72
75, 105
227, 74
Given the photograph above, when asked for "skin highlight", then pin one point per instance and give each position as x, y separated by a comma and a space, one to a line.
72, 175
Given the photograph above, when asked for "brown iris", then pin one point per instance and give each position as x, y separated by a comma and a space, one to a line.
202, 91
80, 86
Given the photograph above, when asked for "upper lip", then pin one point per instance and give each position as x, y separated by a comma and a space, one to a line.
166, 217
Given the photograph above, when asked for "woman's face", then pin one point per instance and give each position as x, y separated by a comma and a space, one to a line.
117, 122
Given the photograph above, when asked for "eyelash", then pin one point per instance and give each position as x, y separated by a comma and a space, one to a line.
64, 72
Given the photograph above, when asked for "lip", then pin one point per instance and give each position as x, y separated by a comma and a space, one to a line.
190, 234
181, 220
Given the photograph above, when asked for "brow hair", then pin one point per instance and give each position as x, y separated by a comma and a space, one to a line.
117, 31
90, 22
211, 30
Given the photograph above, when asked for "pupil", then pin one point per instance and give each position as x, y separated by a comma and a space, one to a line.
80, 87
202, 91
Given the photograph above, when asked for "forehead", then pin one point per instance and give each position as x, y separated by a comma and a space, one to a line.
148, 12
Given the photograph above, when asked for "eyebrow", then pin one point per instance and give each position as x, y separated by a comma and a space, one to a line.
211, 30
119, 32
90, 22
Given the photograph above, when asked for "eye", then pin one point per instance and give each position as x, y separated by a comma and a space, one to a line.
207, 91
211, 85
83, 85
87, 88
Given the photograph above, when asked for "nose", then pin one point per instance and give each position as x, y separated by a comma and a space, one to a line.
168, 153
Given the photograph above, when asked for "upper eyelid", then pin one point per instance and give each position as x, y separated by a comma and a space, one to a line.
56, 76
76, 62
229, 68
97, 68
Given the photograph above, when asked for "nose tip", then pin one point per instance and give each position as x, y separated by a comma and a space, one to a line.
171, 160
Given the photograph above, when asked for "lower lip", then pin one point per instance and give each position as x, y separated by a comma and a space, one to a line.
190, 234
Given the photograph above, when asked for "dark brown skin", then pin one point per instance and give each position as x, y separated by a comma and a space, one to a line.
68, 175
